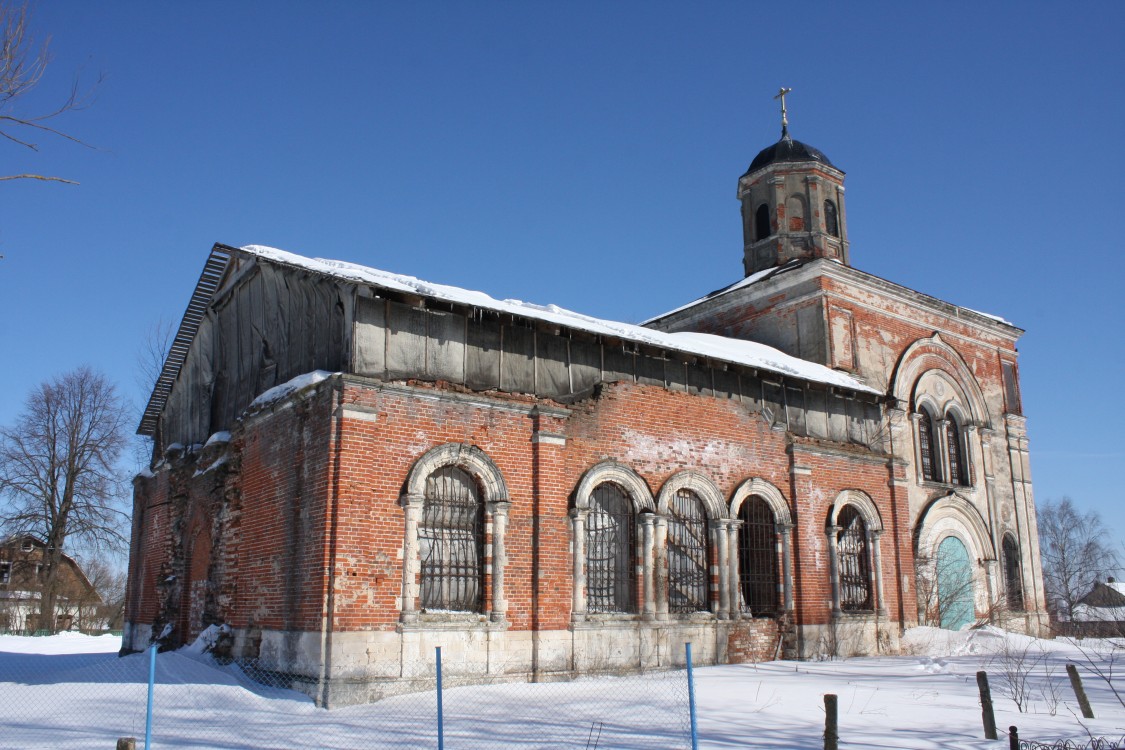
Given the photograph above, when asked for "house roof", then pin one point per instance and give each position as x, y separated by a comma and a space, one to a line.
719, 348
1111, 593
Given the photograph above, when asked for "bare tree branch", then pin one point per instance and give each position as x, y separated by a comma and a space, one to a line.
37, 177
22, 65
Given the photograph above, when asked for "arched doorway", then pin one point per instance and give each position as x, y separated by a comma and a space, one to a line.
954, 584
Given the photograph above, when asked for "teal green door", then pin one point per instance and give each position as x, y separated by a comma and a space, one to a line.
955, 584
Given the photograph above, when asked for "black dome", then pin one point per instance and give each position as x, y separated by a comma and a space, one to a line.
787, 150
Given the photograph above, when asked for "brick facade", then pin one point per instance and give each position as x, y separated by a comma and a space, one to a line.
309, 530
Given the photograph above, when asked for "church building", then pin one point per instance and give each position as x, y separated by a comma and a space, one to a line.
352, 467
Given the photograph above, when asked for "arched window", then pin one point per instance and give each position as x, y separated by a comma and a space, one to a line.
854, 566
831, 221
958, 471
451, 542
1013, 583
927, 446
609, 551
757, 557
688, 556
762, 222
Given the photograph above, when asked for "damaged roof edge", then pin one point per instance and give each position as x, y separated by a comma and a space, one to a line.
214, 271
217, 269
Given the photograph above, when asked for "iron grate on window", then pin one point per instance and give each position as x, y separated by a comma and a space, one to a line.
451, 543
688, 556
609, 551
926, 446
757, 561
851, 553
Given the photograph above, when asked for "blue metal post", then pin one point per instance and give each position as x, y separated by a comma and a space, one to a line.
151, 682
440, 725
691, 699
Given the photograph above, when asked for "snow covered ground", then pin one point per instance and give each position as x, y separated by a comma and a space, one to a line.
71, 691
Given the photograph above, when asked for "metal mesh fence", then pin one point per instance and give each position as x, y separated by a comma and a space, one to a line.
66, 700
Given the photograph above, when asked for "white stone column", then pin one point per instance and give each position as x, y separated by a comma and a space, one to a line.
578, 526
916, 427
877, 570
649, 557
733, 582
833, 568
943, 449
412, 510
719, 532
786, 533
499, 511
660, 565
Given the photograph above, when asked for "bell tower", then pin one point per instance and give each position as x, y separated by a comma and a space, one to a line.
792, 204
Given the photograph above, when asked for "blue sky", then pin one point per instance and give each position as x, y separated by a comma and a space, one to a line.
583, 154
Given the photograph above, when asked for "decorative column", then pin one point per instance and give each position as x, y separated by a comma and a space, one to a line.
648, 606
578, 525
833, 568
499, 558
659, 570
877, 570
942, 437
967, 444
915, 427
786, 533
719, 531
412, 509
733, 575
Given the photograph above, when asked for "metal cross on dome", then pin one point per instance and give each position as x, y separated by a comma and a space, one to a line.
781, 92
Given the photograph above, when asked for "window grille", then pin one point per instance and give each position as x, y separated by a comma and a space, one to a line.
926, 446
757, 562
1013, 584
831, 222
5, 572
957, 473
451, 542
688, 558
609, 551
853, 565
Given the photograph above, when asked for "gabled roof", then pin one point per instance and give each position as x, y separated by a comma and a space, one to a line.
835, 266
1108, 594
735, 351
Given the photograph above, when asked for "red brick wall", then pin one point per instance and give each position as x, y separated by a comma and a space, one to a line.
310, 513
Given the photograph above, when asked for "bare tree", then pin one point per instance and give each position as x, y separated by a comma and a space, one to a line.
109, 581
1076, 554
22, 65
58, 475
944, 589
151, 354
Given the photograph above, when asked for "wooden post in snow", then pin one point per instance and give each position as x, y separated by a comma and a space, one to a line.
986, 706
831, 728
1079, 691
127, 743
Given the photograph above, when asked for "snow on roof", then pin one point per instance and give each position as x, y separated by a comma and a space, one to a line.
990, 316
1086, 613
736, 351
279, 392
751, 279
